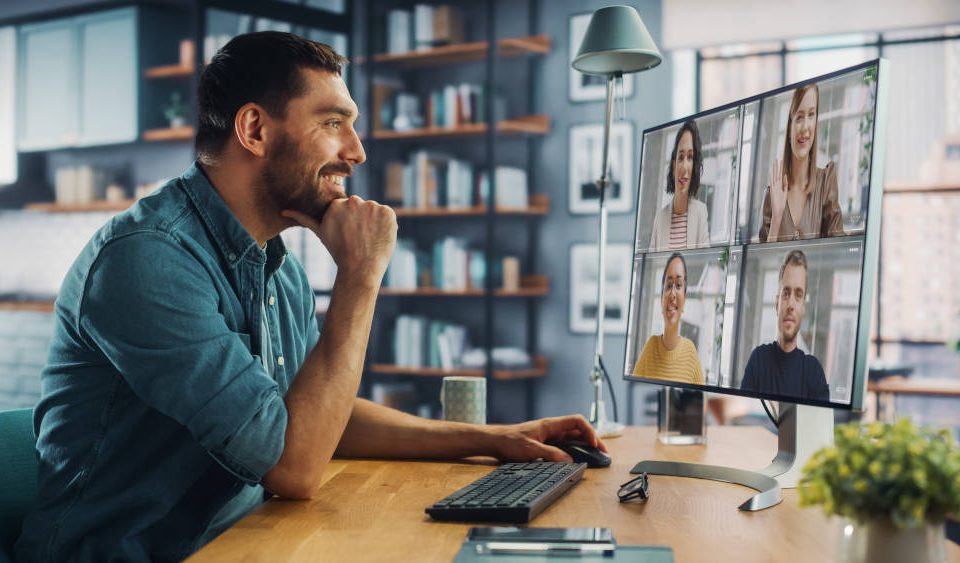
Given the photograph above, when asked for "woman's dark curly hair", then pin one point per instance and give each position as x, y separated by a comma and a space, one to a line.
691, 126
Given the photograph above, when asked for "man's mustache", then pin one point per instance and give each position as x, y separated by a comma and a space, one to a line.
342, 168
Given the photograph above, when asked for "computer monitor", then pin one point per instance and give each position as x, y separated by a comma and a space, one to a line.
757, 233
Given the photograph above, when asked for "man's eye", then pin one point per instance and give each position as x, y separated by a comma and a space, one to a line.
335, 124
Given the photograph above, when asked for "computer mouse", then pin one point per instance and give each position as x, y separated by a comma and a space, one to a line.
585, 453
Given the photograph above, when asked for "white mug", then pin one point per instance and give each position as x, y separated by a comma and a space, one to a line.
464, 399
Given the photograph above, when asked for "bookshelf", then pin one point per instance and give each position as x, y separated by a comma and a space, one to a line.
170, 71
538, 369
465, 52
89, 207
42, 306
508, 136
531, 285
184, 133
539, 206
526, 125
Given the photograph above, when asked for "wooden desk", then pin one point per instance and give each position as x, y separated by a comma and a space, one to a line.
373, 510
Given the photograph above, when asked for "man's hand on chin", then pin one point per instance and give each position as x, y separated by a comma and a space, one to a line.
526, 441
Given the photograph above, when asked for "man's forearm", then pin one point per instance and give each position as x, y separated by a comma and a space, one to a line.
378, 431
320, 401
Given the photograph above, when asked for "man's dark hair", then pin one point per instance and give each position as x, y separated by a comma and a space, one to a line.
691, 126
263, 68
663, 278
794, 258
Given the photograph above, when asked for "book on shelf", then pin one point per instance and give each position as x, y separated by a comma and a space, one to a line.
450, 266
402, 272
455, 105
396, 110
429, 180
504, 357
451, 106
313, 255
399, 32
419, 342
511, 190
437, 25
384, 105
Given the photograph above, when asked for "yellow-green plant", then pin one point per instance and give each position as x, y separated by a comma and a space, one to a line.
898, 471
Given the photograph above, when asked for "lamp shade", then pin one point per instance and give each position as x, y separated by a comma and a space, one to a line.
616, 42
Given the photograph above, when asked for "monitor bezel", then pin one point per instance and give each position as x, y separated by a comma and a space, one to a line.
871, 240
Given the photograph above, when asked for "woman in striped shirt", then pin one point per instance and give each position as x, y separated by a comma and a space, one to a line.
682, 223
671, 357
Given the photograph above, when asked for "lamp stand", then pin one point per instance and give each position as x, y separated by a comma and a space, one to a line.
604, 427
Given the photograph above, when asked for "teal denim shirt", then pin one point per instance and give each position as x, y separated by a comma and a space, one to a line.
158, 419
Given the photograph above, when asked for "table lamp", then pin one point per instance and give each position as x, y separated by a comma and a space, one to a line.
616, 42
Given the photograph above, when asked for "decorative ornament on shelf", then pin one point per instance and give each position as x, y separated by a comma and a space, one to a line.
895, 483
175, 111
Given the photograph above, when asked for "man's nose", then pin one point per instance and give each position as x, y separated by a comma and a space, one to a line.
352, 150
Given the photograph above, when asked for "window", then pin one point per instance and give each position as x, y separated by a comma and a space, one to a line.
921, 214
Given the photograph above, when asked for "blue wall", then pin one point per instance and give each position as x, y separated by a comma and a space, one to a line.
567, 388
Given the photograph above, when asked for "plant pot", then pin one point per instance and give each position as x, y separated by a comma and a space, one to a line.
177, 122
880, 541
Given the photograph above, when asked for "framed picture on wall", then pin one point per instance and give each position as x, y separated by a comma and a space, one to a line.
583, 287
585, 87
586, 152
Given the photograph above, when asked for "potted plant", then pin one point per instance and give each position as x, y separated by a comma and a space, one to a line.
896, 483
175, 111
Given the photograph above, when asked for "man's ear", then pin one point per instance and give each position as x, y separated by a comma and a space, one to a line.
250, 126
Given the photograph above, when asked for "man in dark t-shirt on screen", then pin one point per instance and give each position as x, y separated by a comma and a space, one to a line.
781, 368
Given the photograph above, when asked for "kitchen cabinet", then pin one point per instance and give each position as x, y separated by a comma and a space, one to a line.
78, 81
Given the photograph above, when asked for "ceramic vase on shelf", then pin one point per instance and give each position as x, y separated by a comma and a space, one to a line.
880, 541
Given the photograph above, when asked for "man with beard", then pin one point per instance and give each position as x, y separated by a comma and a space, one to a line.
187, 380
781, 368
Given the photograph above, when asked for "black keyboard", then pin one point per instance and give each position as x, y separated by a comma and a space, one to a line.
513, 492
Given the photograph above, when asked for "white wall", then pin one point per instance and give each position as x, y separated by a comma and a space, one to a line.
699, 23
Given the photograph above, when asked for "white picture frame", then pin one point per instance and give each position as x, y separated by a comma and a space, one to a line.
583, 287
585, 156
584, 87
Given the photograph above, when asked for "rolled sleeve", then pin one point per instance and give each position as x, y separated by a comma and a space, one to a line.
257, 445
153, 311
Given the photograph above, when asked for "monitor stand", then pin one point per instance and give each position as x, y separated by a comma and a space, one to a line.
803, 430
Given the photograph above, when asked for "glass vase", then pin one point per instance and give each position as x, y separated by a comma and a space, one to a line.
881, 541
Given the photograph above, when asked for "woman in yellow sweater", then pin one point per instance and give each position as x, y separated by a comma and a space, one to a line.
669, 356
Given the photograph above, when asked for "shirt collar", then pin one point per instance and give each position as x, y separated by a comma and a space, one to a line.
230, 236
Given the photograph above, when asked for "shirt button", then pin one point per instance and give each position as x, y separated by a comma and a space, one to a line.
232, 256
279, 360
271, 301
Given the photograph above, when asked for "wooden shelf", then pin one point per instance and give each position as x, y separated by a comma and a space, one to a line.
527, 125
184, 133
934, 387
921, 188
532, 285
539, 206
169, 71
466, 52
539, 369
93, 206
27, 306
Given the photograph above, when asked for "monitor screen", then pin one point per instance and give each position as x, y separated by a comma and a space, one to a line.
756, 243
